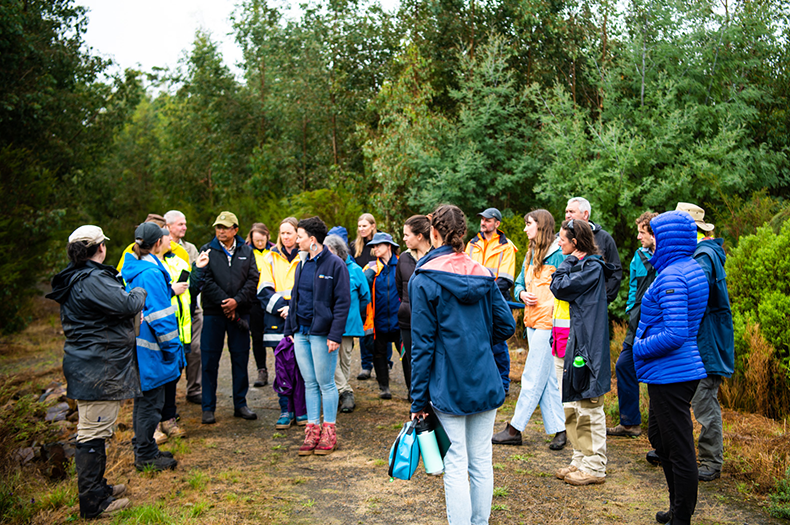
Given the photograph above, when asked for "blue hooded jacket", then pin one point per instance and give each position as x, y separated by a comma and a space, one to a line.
360, 297
665, 347
458, 316
716, 339
160, 355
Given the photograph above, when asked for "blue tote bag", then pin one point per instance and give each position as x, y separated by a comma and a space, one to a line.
405, 452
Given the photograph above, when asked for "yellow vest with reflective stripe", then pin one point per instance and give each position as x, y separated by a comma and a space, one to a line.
175, 265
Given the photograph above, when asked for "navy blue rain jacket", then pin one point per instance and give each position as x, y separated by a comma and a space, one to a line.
458, 316
665, 347
716, 338
387, 301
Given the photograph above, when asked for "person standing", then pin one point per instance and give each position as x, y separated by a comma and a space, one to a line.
458, 315
98, 317
258, 240
496, 252
363, 254
229, 282
640, 276
160, 355
320, 302
666, 357
539, 381
581, 281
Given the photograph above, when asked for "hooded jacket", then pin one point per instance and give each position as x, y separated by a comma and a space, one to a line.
98, 315
540, 315
716, 338
160, 355
640, 277
458, 316
583, 285
235, 280
665, 347
385, 302
274, 291
360, 297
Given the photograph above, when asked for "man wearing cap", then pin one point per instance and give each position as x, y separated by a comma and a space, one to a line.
496, 252
716, 342
174, 246
580, 209
230, 280
382, 313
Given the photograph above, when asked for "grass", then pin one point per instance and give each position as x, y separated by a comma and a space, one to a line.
177, 446
501, 492
499, 506
64, 495
230, 476
498, 466
197, 479
277, 435
197, 510
143, 514
379, 462
521, 457
309, 503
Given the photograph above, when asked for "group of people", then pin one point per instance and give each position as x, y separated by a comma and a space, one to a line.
443, 304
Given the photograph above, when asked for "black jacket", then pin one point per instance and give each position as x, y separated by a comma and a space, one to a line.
404, 271
608, 249
237, 280
98, 321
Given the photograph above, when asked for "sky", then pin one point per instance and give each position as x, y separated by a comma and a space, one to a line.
156, 33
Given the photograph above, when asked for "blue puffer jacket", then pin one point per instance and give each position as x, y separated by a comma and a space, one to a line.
665, 347
160, 355
360, 297
458, 317
716, 339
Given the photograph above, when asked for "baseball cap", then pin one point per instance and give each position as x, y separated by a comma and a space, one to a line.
491, 213
697, 213
148, 233
226, 219
89, 234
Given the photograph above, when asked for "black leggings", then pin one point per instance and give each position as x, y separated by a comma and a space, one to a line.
381, 344
405, 335
257, 326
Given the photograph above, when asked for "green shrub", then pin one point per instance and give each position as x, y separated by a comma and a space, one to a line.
779, 506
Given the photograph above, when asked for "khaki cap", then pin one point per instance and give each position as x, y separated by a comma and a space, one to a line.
697, 213
226, 219
88, 233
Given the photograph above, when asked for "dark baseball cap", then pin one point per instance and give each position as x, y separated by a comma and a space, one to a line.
149, 232
491, 213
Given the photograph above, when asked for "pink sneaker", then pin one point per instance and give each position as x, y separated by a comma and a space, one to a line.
328, 441
312, 433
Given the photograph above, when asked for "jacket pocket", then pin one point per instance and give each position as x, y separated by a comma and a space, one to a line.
579, 375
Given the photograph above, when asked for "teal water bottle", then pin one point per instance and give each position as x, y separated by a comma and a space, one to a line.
429, 448
578, 362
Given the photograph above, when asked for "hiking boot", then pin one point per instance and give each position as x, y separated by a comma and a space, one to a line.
159, 463
347, 404
364, 375
171, 429
208, 417
625, 431
580, 478
115, 506
328, 441
195, 399
263, 378
312, 434
708, 474
559, 441
509, 436
159, 436
301, 420
118, 490
653, 459
245, 413
384, 392
561, 473
285, 421
166, 453
664, 517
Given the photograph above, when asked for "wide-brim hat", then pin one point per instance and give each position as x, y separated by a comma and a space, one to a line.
226, 219
697, 213
382, 238
89, 234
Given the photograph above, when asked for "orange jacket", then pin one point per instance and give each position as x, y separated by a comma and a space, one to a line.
539, 316
497, 254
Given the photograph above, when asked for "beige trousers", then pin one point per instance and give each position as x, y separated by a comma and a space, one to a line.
344, 365
96, 419
585, 423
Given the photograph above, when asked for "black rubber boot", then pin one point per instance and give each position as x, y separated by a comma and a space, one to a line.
90, 460
382, 372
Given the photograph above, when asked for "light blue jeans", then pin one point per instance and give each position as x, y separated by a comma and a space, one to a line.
539, 386
317, 366
468, 468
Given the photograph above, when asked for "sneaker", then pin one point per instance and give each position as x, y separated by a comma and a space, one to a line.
328, 441
301, 420
195, 399
171, 429
625, 431
364, 375
708, 474
115, 506
664, 517
285, 421
263, 378
580, 478
312, 434
384, 392
508, 436
160, 436
118, 490
559, 441
347, 404
208, 417
159, 463
561, 473
166, 453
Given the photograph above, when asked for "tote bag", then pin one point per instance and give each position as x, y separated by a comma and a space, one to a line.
405, 452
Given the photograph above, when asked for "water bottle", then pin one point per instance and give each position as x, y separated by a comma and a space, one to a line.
429, 448
578, 362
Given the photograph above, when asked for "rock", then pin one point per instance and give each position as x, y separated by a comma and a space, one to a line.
58, 394
24, 455
57, 412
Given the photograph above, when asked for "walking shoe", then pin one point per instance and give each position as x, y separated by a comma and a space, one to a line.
196, 399
664, 517
561, 473
708, 474
580, 478
208, 418
559, 441
301, 420
328, 441
653, 459
159, 463
159, 436
118, 490
285, 421
171, 428
245, 413
347, 404
166, 453
263, 378
384, 392
115, 506
624, 431
508, 436
364, 375
312, 434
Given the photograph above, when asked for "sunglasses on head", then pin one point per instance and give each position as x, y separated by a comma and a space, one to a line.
569, 226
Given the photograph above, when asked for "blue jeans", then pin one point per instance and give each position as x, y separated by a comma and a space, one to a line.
366, 351
627, 388
539, 386
502, 359
317, 366
211, 343
468, 470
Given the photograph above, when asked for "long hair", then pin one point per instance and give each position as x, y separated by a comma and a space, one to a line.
450, 223
79, 252
288, 220
359, 243
542, 242
581, 231
257, 227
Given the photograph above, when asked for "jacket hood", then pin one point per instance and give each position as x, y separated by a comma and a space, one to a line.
676, 237
457, 273
132, 267
714, 248
65, 280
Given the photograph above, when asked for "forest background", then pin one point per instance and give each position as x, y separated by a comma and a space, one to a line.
346, 108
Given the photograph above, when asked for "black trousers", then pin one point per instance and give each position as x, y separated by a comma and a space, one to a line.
169, 409
381, 345
671, 433
405, 335
146, 416
257, 326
